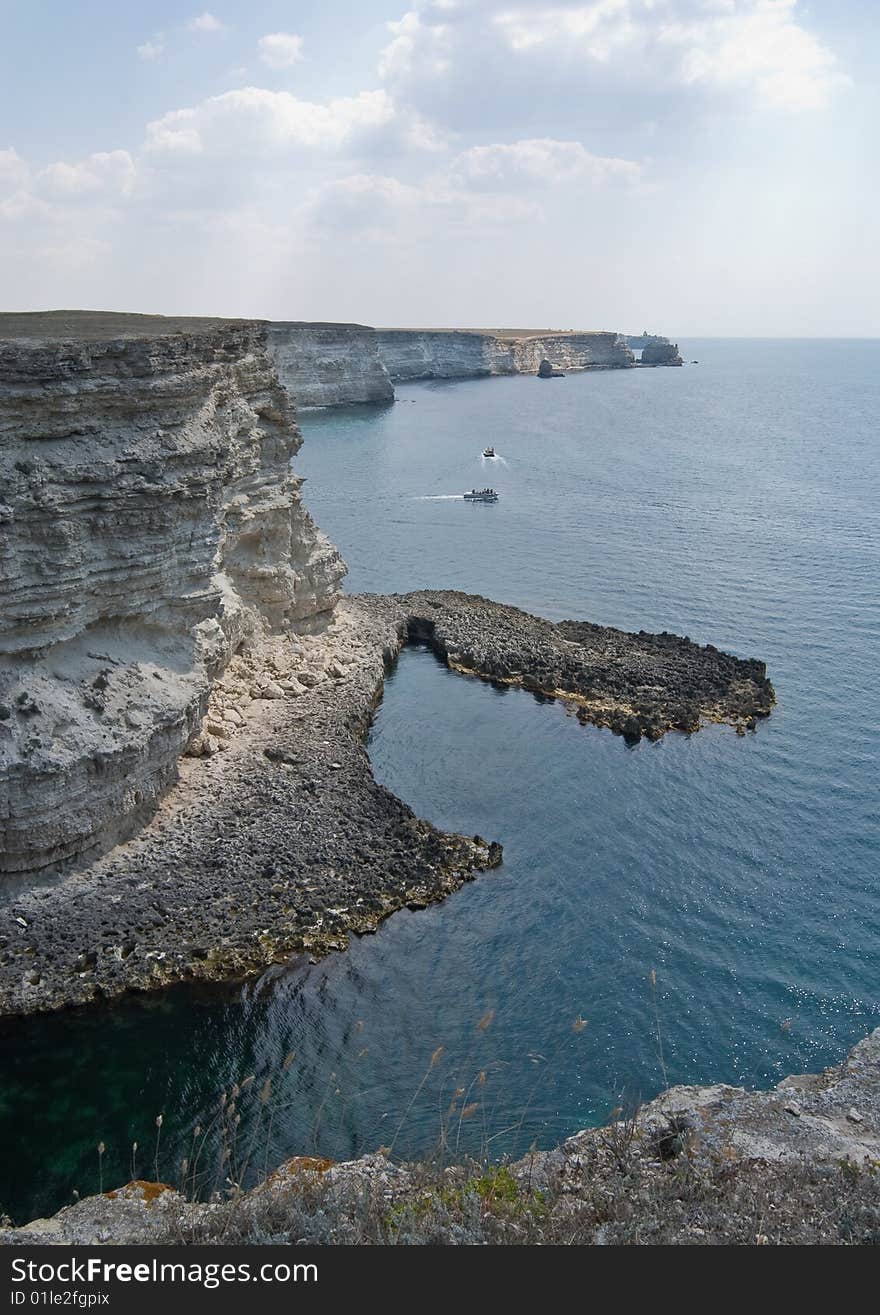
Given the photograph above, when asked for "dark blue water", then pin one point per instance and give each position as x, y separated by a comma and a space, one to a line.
735, 501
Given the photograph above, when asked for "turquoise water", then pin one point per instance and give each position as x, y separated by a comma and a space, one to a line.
735, 501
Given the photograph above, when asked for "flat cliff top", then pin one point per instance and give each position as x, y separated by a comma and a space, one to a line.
318, 324
103, 326
100, 325
501, 333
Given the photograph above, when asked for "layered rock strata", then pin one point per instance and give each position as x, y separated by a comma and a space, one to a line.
279, 841
697, 1165
412, 354
329, 364
151, 527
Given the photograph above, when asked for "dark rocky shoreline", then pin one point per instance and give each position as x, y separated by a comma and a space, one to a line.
283, 843
635, 684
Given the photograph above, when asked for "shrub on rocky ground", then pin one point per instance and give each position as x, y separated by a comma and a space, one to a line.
614, 1199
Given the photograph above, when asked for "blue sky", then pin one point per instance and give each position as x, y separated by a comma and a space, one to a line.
696, 166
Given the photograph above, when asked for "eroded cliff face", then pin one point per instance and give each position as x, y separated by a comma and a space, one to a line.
150, 526
411, 354
329, 364
570, 351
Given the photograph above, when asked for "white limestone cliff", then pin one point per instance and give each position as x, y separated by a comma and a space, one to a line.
150, 526
411, 354
329, 364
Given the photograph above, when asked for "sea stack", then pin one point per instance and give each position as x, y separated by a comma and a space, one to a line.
660, 351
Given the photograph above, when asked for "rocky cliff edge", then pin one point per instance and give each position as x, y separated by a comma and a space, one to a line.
696, 1166
151, 527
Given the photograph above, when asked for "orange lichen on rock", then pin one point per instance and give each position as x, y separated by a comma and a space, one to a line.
299, 1165
148, 1192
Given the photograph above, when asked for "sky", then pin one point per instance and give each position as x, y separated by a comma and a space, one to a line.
693, 167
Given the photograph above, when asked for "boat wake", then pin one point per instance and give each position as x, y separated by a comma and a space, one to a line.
438, 497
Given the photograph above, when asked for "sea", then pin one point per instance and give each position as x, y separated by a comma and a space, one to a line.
700, 910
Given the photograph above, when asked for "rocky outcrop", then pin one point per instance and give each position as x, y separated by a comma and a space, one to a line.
569, 351
546, 371
660, 351
637, 341
634, 684
411, 354
279, 841
151, 527
329, 364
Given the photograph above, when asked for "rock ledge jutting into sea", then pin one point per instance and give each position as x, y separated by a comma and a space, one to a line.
277, 839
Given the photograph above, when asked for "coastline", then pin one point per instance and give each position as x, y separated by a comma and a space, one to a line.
281, 842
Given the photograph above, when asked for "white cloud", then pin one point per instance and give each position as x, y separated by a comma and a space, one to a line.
205, 23
13, 170
507, 136
75, 256
538, 162
381, 208
175, 131
280, 50
66, 194
152, 49
484, 187
364, 204
23, 206
110, 174
156, 46
255, 123
444, 58
598, 28
763, 49
414, 45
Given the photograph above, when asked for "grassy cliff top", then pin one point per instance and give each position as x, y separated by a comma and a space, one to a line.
100, 325
103, 326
